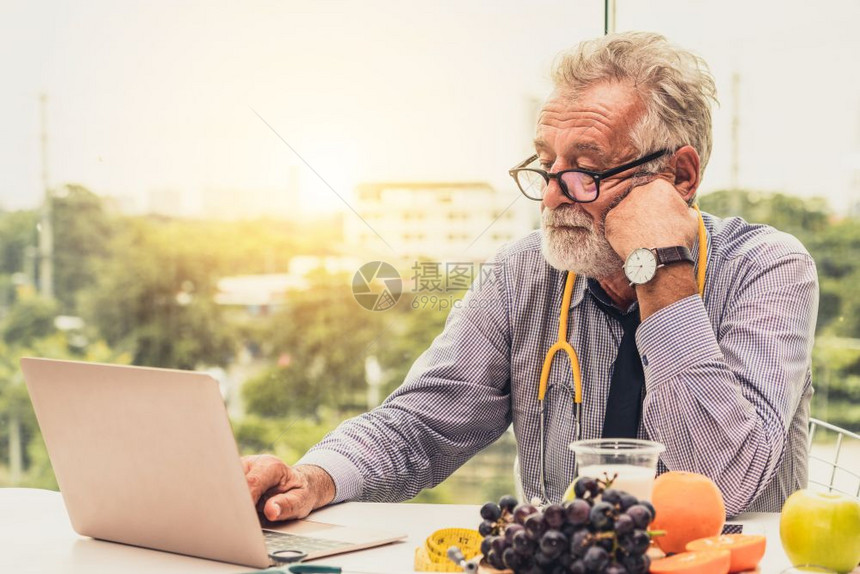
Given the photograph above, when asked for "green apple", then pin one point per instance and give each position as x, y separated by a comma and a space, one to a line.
821, 528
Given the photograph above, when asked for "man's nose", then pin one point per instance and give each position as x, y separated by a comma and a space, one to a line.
553, 196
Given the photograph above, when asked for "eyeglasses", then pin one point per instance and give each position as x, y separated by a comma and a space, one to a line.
578, 185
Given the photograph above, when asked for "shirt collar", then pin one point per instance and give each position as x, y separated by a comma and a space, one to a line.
579, 289
604, 301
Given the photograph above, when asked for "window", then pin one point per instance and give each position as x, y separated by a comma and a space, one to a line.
304, 144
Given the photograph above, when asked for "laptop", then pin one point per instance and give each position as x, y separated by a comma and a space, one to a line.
147, 457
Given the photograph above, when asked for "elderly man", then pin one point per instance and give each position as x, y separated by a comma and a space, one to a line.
689, 330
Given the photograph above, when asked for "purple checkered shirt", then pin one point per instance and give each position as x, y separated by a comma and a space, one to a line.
727, 378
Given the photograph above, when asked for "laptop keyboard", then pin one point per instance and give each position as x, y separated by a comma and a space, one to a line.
284, 541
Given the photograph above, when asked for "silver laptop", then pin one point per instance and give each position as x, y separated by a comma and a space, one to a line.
147, 457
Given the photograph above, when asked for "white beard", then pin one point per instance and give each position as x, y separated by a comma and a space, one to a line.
570, 242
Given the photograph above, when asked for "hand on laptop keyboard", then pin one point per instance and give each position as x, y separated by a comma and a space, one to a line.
282, 492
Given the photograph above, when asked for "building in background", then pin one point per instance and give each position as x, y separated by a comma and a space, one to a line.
440, 221
265, 293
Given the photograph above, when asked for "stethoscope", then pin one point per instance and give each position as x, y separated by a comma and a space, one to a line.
561, 344
291, 558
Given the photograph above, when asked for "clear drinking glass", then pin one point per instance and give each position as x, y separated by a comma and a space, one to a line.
634, 462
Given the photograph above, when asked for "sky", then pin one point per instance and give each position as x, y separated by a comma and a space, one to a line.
190, 96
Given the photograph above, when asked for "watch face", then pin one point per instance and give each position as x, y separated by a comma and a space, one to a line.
640, 266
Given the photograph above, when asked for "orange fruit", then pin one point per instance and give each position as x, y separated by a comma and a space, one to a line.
747, 549
705, 562
688, 506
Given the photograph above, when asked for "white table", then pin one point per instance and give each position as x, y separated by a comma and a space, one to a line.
36, 537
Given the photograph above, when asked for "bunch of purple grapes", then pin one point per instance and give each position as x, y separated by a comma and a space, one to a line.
603, 530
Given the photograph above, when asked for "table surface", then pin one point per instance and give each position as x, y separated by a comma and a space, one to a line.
37, 537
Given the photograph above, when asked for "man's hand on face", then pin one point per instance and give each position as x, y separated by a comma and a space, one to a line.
652, 215
282, 492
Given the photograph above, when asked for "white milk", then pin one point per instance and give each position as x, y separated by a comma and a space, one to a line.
637, 480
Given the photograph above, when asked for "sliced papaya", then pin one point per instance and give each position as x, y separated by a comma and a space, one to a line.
747, 549
703, 562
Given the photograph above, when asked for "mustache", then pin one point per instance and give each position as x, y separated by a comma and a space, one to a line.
566, 215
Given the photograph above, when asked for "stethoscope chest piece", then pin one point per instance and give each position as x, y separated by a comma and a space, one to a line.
288, 556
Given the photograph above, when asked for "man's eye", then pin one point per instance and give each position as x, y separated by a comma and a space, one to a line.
545, 165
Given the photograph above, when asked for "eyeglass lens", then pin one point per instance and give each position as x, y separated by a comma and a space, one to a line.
532, 183
580, 186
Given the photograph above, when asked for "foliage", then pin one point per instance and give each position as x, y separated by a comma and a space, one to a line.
282, 391
286, 437
17, 241
153, 296
31, 318
318, 345
82, 232
800, 217
17, 252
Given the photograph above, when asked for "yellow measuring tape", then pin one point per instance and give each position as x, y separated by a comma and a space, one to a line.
433, 555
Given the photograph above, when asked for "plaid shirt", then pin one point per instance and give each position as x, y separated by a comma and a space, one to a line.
727, 378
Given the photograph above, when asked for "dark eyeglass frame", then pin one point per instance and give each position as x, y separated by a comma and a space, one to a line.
598, 176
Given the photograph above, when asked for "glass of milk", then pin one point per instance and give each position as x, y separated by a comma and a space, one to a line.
632, 462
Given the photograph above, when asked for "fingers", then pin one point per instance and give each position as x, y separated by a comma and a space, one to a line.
264, 473
278, 491
295, 503
248, 462
653, 215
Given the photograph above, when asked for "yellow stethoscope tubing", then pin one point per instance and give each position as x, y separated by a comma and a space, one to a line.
703, 253
561, 344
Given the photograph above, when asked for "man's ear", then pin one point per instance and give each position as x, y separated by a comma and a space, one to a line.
685, 164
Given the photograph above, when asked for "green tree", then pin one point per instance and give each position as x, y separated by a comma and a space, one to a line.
31, 318
17, 252
283, 391
154, 296
17, 234
795, 215
320, 342
82, 232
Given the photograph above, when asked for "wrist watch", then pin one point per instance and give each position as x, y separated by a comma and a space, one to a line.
642, 263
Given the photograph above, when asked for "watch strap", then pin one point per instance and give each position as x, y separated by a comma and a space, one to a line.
674, 254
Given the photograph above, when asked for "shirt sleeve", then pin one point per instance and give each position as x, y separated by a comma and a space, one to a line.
721, 399
454, 402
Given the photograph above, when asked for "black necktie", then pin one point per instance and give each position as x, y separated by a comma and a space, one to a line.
624, 405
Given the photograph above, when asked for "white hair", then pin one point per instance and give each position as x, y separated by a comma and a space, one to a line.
674, 84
